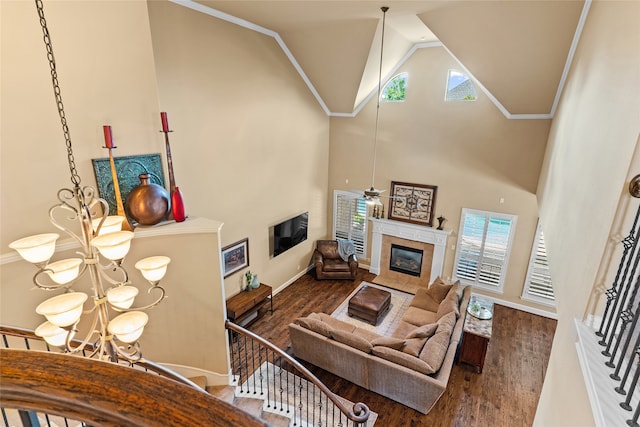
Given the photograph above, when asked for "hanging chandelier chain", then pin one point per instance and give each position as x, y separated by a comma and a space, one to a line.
75, 178
375, 135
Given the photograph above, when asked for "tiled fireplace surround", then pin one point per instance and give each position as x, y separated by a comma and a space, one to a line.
431, 241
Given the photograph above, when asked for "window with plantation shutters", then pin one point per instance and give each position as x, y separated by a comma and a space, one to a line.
484, 245
538, 286
350, 220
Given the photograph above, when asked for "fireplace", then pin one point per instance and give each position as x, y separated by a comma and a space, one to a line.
405, 260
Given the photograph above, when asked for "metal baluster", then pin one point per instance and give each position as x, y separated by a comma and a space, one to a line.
627, 286
612, 292
626, 404
626, 316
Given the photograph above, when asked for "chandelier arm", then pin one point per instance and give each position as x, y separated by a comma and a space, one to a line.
132, 357
113, 266
85, 341
49, 287
146, 307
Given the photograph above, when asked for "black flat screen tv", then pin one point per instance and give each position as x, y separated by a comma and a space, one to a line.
287, 234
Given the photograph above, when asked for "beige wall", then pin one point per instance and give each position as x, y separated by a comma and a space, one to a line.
251, 143
250, 146
468, 149
592, 140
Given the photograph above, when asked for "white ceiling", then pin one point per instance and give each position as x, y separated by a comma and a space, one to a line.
517, 50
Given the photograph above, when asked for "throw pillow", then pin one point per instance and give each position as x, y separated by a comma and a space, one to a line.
335, 323
448, 305
352, 340
414, 346
394, 343
424, 300
402, 359
436, 347
439, 289
315, 325
424, 331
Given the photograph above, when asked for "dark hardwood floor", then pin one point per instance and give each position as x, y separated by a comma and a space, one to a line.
505, 394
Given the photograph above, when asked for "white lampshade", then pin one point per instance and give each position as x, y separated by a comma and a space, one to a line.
113, 246
128, 327
52, 334
64, 271
153, 268
122, 296
63, 310
111, 224
36, 249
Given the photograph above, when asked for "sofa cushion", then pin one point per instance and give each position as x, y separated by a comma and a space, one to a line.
448, 305
403, 329
352, 340
335, 323
435, 348
424, 331
315, 325
414, 346
417, 316
366, 334
401, 358
439, 289
424, 300
391, 342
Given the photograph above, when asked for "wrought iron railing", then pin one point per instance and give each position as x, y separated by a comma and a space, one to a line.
263, 370
618, 330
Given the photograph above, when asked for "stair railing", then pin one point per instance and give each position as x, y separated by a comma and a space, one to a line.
46, 387
262, 370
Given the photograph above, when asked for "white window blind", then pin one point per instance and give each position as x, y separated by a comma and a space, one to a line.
538, 286
484, 245
350, 220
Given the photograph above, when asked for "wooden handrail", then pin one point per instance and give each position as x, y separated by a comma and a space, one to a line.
107, 394
142, 363
360, 411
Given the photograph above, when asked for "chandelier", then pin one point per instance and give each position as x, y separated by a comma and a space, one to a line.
104, 245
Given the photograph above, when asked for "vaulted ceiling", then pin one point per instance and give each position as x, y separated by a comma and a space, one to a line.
516, 50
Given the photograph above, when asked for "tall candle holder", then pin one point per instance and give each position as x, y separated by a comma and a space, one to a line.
177, 204
108, 144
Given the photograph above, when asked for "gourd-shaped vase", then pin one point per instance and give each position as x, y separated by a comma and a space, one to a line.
148, 203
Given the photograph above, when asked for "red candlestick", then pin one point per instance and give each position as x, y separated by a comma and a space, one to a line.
108, 140
165, 122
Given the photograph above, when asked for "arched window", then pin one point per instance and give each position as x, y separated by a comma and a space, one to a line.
395, 89
459, 87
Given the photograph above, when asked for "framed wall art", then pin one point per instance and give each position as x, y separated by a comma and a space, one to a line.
413, 203
235, 256
128, 168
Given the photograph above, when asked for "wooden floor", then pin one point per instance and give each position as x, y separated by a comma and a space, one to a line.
505, 394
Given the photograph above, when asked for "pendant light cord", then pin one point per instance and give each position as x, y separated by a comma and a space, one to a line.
375, 134
75, 178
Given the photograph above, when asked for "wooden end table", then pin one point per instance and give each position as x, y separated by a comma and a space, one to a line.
476, 333
247, 303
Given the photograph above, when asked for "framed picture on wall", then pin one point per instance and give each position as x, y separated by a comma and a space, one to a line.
414, 203
235, 256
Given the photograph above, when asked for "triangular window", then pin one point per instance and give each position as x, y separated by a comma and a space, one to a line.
459, 87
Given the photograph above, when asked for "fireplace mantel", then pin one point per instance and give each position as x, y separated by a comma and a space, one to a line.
417, 233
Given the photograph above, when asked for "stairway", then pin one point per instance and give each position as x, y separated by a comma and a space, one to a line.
251, 405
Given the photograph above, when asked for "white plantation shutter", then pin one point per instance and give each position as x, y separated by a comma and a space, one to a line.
538, 286
484, 244
350, 220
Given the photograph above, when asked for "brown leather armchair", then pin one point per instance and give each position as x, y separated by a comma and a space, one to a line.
328, 263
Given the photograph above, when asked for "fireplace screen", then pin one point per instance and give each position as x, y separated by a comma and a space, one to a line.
406, 260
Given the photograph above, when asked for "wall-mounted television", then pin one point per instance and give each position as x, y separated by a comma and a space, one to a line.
287, 234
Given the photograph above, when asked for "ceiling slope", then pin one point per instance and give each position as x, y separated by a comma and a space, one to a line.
517, 49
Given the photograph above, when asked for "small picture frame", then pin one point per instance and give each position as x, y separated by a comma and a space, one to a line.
235, 256
414, 203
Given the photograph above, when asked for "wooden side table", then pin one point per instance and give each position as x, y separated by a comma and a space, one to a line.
476, 336
247, 303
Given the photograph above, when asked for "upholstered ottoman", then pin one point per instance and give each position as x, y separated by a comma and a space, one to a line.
369, 304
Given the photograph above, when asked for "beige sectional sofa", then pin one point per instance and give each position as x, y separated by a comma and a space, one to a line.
411, 365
